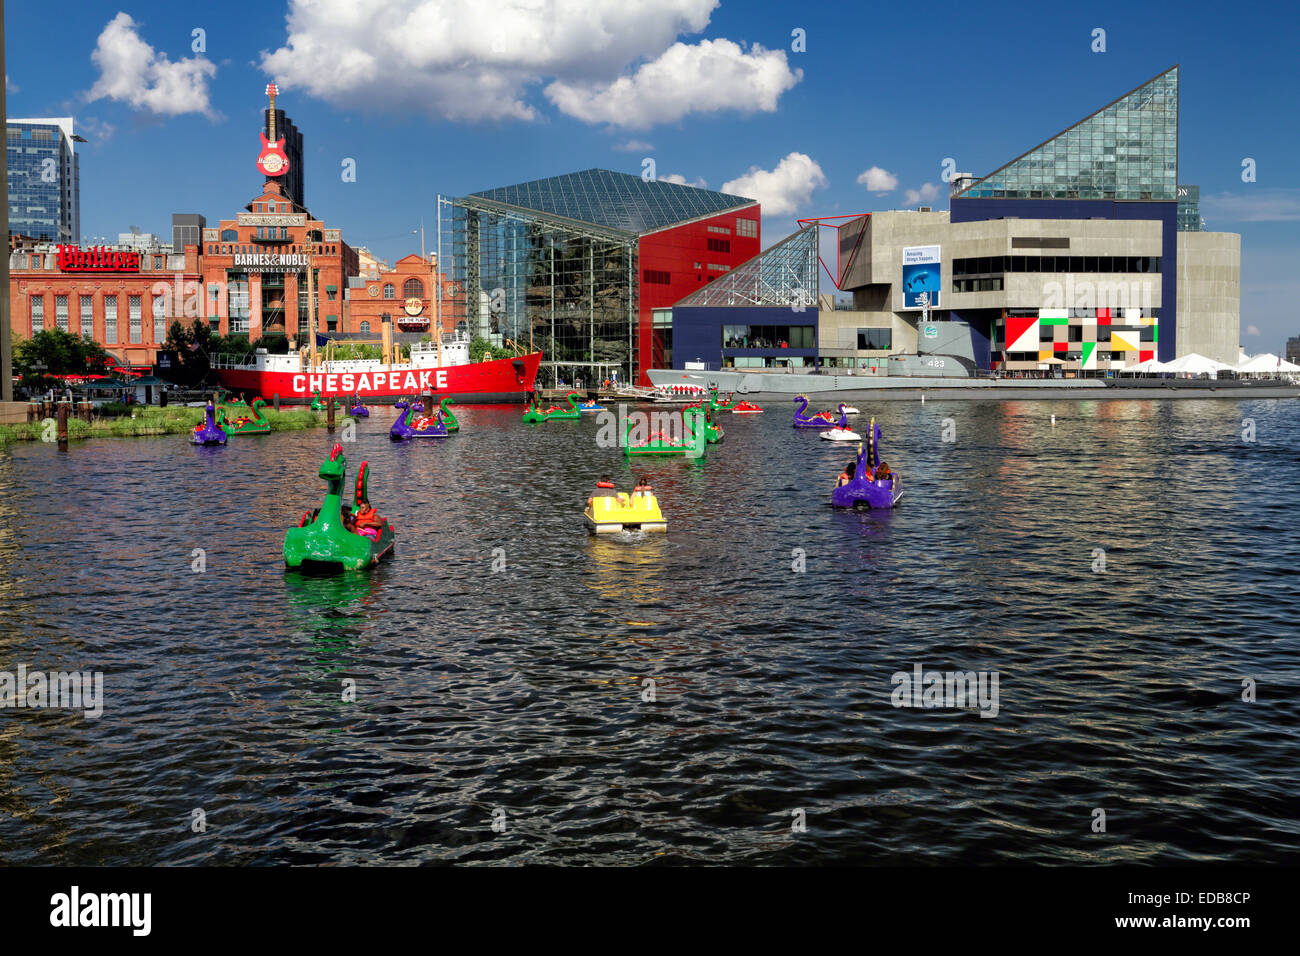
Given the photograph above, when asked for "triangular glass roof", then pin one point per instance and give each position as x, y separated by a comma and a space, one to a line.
1126, 150
784, 274
615, 200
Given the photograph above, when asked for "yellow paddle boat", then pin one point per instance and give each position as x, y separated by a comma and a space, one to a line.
609, 512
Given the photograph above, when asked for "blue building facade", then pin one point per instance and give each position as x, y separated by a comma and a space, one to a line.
44, 179
744, 337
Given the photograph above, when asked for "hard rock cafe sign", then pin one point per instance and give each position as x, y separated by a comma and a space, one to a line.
271, 160
413, 306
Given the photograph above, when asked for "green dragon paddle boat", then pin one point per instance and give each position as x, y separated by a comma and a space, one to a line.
256, 424
691, 445
316, 404
448, 419
337, 537
559, 413
533, 413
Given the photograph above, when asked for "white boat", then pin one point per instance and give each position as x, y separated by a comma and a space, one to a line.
840, 434
850, 410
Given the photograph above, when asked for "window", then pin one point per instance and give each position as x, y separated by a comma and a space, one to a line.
389, 291
160, 319
657, 276
237, 301
36, 262
714, 267
110, 318
875, 338
88, 315
413, 289
720, 229
747, 227
719, 245
229, 235
61, 312
330, 294
135, 330
365, 328
38, 313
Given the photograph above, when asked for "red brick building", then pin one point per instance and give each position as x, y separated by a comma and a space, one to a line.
254, 270
403, 294
123, 300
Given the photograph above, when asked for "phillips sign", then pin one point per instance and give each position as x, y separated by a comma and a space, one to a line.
97, 259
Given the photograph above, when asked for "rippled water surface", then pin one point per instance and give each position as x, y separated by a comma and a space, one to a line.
521, 690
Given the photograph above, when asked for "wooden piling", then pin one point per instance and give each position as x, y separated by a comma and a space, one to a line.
329, 414
276, 398
63, 425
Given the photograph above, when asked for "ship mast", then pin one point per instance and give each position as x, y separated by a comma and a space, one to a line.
311, 299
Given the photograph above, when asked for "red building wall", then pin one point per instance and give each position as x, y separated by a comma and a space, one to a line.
681, 254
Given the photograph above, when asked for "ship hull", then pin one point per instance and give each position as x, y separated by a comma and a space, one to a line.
776, 386
495, 382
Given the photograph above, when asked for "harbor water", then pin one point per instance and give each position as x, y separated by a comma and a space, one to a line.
511, 689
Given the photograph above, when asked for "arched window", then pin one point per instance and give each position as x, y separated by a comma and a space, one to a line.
229, 235
413, 289
365, 328
389, 291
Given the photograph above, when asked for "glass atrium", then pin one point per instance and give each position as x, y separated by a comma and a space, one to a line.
1127, 150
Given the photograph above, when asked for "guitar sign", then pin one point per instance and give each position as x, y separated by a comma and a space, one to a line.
271, 160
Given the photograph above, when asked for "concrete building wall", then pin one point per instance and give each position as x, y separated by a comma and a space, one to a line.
1209, 295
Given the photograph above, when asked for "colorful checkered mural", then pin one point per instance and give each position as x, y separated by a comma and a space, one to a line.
1088, 340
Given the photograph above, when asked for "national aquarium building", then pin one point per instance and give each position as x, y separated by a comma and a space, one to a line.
1083, 255
578, 264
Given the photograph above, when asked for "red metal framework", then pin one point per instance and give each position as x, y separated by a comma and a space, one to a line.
823, 222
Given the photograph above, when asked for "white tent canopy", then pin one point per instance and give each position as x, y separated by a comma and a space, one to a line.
1195, 364
1149, 367
1266, 364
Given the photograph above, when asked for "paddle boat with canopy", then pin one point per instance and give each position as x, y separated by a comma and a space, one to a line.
357, 409
336, 536
610, 512
874, 484
254, 424
209, 431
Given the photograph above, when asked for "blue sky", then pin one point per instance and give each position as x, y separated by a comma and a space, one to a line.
435, 96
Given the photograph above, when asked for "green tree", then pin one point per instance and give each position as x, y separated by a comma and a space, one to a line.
480, 349
52, 352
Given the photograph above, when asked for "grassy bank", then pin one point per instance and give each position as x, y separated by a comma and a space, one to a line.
173, 420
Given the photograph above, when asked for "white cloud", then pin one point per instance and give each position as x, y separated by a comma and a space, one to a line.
131, 71
604, 60
1265, 205
96, 130
10, 87
878, 181
681, 180
706, 77
782, 190
1253, 330
926, 193
634, 146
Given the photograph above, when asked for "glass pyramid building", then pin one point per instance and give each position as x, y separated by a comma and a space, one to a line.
1127, 150
617, 201
784, 274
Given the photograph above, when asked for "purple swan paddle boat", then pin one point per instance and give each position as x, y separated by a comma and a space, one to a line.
821, 419
209, 432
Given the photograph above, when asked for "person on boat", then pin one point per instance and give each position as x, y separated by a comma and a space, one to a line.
349, 520
642, 486
883, 471
846, 475
367, 519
